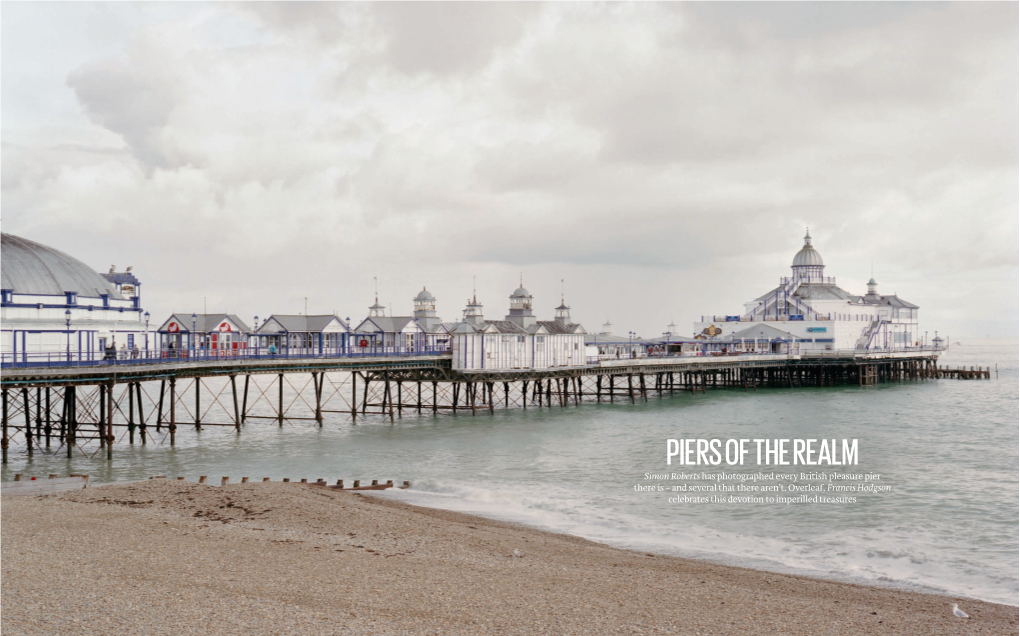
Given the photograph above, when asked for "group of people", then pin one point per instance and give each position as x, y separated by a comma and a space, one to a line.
112, 353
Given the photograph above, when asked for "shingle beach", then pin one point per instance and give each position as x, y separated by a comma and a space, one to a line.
174, 557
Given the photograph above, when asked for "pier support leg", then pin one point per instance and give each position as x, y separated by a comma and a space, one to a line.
237, 410
28, 419
141, 410
49, 418
173, 411
280, 402
198, 404
354, 397
435, 400
109, 422
244, 399
5, 441
131, 412
159, 409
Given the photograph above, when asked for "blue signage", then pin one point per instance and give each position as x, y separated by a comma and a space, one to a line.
732, 318
796, 316
817, 329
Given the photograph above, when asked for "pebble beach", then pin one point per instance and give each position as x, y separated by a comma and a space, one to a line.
176, 557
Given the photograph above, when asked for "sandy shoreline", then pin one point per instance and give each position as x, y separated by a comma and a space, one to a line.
272, 558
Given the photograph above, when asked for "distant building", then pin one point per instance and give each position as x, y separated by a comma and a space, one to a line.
809, 312
608, 345
520, 341
52, 304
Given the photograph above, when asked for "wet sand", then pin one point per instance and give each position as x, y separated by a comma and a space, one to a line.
170, 557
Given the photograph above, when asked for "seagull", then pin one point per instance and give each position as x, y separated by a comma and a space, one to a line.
957, 612
519, 554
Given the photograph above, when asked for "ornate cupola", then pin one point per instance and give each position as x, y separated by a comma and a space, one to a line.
872, 287
520, 307
376, 310
473, 311
563, 313
807, 264
425, 309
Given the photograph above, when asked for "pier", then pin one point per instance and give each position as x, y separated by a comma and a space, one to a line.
90, 409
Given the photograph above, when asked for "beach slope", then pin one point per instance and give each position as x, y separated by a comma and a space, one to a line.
173, 557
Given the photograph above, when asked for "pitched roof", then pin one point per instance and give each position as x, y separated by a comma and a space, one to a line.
890, 301
554, 327
761, 331
301, 323
388, 324
204, 323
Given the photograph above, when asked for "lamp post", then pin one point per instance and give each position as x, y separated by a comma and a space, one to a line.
347, 348
191, 337
255, 333
630, 343
147, 334
67, 321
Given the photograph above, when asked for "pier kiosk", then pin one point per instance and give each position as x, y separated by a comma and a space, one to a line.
207, 335
303, 335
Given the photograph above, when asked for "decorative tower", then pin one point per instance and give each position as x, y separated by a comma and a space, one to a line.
473, 311
425, 309
563, 313
376, 310
872, 287
607, 329
807, 264
672, 329
520, 308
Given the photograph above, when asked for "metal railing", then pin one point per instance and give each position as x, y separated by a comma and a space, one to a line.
87, 358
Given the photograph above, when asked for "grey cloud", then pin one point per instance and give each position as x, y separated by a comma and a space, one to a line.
447, 37
132, 96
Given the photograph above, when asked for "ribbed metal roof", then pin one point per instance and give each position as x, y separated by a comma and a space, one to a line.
521, 292
28, 267
424, 294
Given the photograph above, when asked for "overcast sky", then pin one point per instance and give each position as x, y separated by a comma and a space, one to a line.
663, 160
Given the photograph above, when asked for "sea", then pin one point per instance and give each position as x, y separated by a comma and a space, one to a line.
946, 450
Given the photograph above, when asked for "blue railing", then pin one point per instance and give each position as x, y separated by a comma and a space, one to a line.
58, 359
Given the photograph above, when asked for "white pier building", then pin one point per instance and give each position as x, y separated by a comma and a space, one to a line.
519, 341
808, 311
53, 306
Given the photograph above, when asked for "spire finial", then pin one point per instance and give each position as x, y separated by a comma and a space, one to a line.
522, 279
474, 290
563, 293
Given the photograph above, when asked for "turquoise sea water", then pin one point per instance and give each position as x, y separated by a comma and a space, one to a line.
947, 449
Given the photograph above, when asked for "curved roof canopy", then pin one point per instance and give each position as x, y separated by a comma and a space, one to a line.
520, 292
808, 256
28, 267
424, 294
